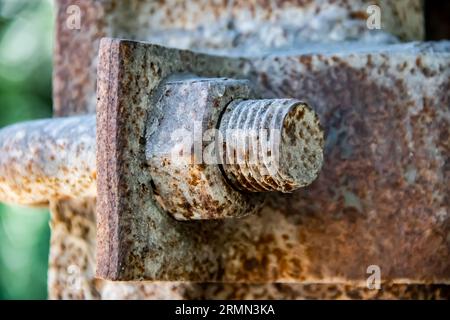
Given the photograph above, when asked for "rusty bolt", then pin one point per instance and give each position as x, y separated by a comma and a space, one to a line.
260, 145
271, 145
210, 147
187, 179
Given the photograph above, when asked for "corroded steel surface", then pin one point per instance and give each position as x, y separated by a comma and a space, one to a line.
271, 144
72, 272
51, 159
211, 25
48, 159
186, 177
382, 196
74, 93
132, 230
186, 151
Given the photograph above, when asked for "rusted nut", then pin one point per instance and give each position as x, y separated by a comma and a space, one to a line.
45, 159
181, 150
209, 143
271, 145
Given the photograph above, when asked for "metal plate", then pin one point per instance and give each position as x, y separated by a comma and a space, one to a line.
382, 198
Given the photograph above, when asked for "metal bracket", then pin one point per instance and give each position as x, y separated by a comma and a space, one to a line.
351, 212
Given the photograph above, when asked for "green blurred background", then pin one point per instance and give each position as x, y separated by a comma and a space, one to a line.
26, 41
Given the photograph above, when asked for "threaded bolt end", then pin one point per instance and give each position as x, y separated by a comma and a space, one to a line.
271, 144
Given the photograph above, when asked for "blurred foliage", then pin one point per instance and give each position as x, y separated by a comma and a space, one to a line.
26, 36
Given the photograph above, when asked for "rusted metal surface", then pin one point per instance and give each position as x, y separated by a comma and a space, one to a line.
48, 159
380, 200
51, 159
322, 291
185, 171
124, 191
72, 272
229, 24
211, 25
185, 151
75, 56
382, 196
271, 144
71, 267
74, 93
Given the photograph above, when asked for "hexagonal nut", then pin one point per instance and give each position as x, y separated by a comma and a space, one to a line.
187, 178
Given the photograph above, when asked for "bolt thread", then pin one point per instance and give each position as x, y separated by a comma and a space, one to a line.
271, 144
